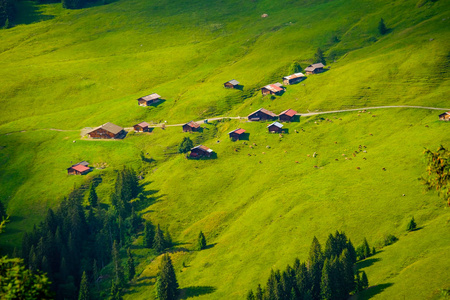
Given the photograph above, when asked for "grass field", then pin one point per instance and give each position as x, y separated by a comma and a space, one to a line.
259, 207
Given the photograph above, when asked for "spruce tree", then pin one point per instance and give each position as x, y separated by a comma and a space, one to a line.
295, 67
159, 244
411, 225
186, 145
118, 272
325, 284
149, 235
250, 295
167, 285
84, 288
366, 248
364, 281
92, 199
130, 265
115, 292
201, 241
315, 265
259, 293
382, 29
319, 57
95, 274
3, 214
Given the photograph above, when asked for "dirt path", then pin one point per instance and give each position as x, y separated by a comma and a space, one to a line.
86, 129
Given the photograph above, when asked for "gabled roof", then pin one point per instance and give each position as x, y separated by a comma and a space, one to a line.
279, 125
295, 75
237, 131
192, 124
288, 112
110, 127
80, 168
142, 124
233, 82
446, 113
276, 87
204, 148
265, 111
83, 163
150, 97
314, 66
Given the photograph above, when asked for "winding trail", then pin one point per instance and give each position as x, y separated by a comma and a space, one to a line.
237, 118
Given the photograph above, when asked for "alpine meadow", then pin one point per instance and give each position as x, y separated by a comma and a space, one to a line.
338, 188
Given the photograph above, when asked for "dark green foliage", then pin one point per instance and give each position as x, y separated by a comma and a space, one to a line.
149, 235
364, 283
363, 251
130, 265
19, 283
259, 293
186, 145
250, 295
3, 214
118, 271
325, 284
72, 4
92, 199
84, 294
159, 243
295, 68
126, 188
319, 57
315, 263
95, 274
167, 285
390, 239
7, 13
168, 238
382, 29
115, 292
411, 225
201, 241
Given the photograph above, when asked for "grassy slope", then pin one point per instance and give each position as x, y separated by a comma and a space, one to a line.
83, 68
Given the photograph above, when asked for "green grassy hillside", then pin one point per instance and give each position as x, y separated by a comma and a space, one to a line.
259, 207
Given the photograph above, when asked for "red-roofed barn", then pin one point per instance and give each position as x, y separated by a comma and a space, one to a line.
236, 134
287, 115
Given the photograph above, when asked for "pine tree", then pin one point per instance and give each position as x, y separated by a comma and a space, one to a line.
411, 225
115, 292
271, 286
315, 265
130, 265
168, 238
250, 295
382, 29
159, 244
3, 214
364, 281
319, 57
92, 199
201, 241
95, 274
118, 272
259, 293
366, 248
295, 67
186, 145
149, 235
7, 25
325, 284
84, 288
167, 285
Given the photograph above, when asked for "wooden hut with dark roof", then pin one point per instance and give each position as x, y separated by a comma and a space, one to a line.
445, 116
236, 134
261, 114
287, 115
107, 131
293, 78
149, 99
275, 127
191, 126
272, 89
314, 68
232, 84
200, 151
141, 127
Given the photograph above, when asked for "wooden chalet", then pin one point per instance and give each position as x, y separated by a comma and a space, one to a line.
141, 127
445, 116
275, 127
200, 151
261, 115
149, 99
287, 115
236, 134
232, 84
293, 79
79, 168
272, 89
314, 68
191, 126
107, 131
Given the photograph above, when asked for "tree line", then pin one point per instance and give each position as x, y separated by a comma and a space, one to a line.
327, 274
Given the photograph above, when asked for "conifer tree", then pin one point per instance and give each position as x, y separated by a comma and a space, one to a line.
95, 274
201, 241
84, 288
319, 57
168, 238
149, 235
325, 284
115, 292
3, 214
250, 295
382, 29
315, 265
159, 244
366, 248
167, 285
118, 272
92, 199
130, 265
295, 67
186, 145
364, 281
411, 225
259, 293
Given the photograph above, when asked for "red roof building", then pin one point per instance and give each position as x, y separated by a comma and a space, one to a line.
200, 151
78, 169
287, 115
273, 89
191, 126
236, 134
141, 127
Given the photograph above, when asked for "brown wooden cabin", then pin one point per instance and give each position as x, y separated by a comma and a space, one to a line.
275, 127
232, 84
79, 169
261, 115
236, 134
287, 115
272, 89
149, 99
141, 127
106, 131
314, 68
200, 151
293, 79
191, 126
445, 116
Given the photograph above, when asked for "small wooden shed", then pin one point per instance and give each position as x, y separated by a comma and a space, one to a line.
79, 169
149, 99
107, 131
191, 126
293, 78
445, 116
236, 134
272, 89
287, 115
200, 151
141, 127
275, 127
232, 84
314, 68
261, 114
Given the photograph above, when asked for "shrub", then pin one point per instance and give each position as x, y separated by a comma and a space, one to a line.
390, 239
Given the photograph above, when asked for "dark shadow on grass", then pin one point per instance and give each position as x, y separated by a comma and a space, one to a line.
285, 131
367, 262
196, 291
210, 246
296, 118
29, 12
156, 104
374, 290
